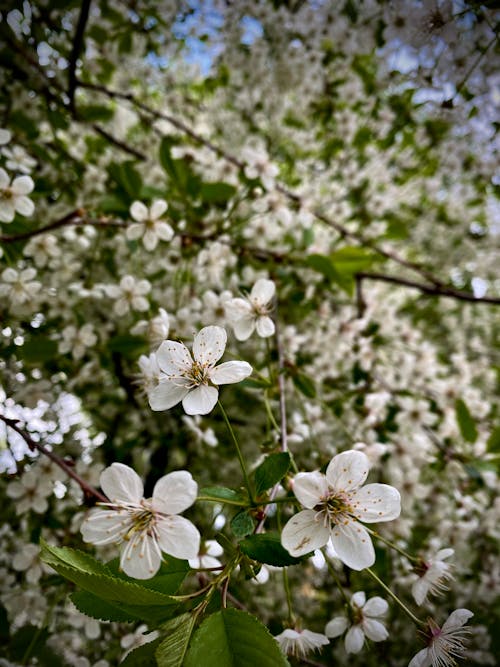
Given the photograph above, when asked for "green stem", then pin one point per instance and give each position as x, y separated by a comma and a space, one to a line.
238, 452
392, 545
334, 576
395, 598
270, 414
222, 501
286, 584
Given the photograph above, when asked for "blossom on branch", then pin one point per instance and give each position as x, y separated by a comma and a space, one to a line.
252, 313
144, 528
194, 379
446, 644
299, 642
335, 503
149, 224
13, 197
364, 620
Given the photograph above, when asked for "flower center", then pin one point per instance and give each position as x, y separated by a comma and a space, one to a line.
6, 193
197, 374
335, 509
144, 520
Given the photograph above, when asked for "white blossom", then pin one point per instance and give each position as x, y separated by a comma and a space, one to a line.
155, 329
334, 503
433, 574
194, 379
363, 621
129, 294
19, 160
252, 313
445, 644
13, 197
149, 224
76, 340
300, 642
144, 528
19, 286
259, 166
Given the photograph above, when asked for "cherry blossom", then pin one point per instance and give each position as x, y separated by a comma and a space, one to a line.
144, 528
363, 621
445, 644
149, 224
299, 642
195, 381
433, 574
13, 197
334, 503
19, 286
129, 294
252, 313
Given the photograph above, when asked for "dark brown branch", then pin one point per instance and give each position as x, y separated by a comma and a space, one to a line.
76, 50
117, 142
430, 290
37, 446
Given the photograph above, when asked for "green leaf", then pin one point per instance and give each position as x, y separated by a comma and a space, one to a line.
167, 580
217, 193
224, 495
37, 350
304, 384
466, 422
322, 264
242, 524
271, 471
493, 444
93, 112
128, 345
267, 548
92, 606
172, 650
142, 656
127, 178
96, 578
234, 638
351, 259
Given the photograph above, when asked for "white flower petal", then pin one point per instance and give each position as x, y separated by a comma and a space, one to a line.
422, 659
4, 179
140, 558
174, 358
230, 372
309, 488
374, 630
244, 327
22, 185
164, 231
209, 345
348, 470
359, 599
304, 533
456, 619
166, 394
7, 210
121, 483
376, 502
419, 590
238, 308
139, 211
336, 626
175, 492
134, 231
24, 206
443, 554
158, 208
263, 291
105, 526
265, 326
354, 639
375, 606
353, 545
200, 401
178, 537
150, 240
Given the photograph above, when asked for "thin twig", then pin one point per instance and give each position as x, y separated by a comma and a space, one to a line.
37, 446
76, 50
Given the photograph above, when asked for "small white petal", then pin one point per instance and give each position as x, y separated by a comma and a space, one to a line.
375, 606
376, 502
150, 240
140, 558
244, 327
419, 590
22, 185
348, 470
265, 326
422, 659
353, 545
336, 627
209, 345
238, 308
304, 533
158, 208
139, 211
165, 395
230, 372
354, 639
164, 231
24, 206
359, 599
443, 554
121, 483
4, 179
263, 291
309, 488
374, 630
456, 619
174, 358
200, 401
175, 492
7, 210
178, 537
134, 231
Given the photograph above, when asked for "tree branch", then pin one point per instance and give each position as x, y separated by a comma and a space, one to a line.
76, 50
429, 290
37, 446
